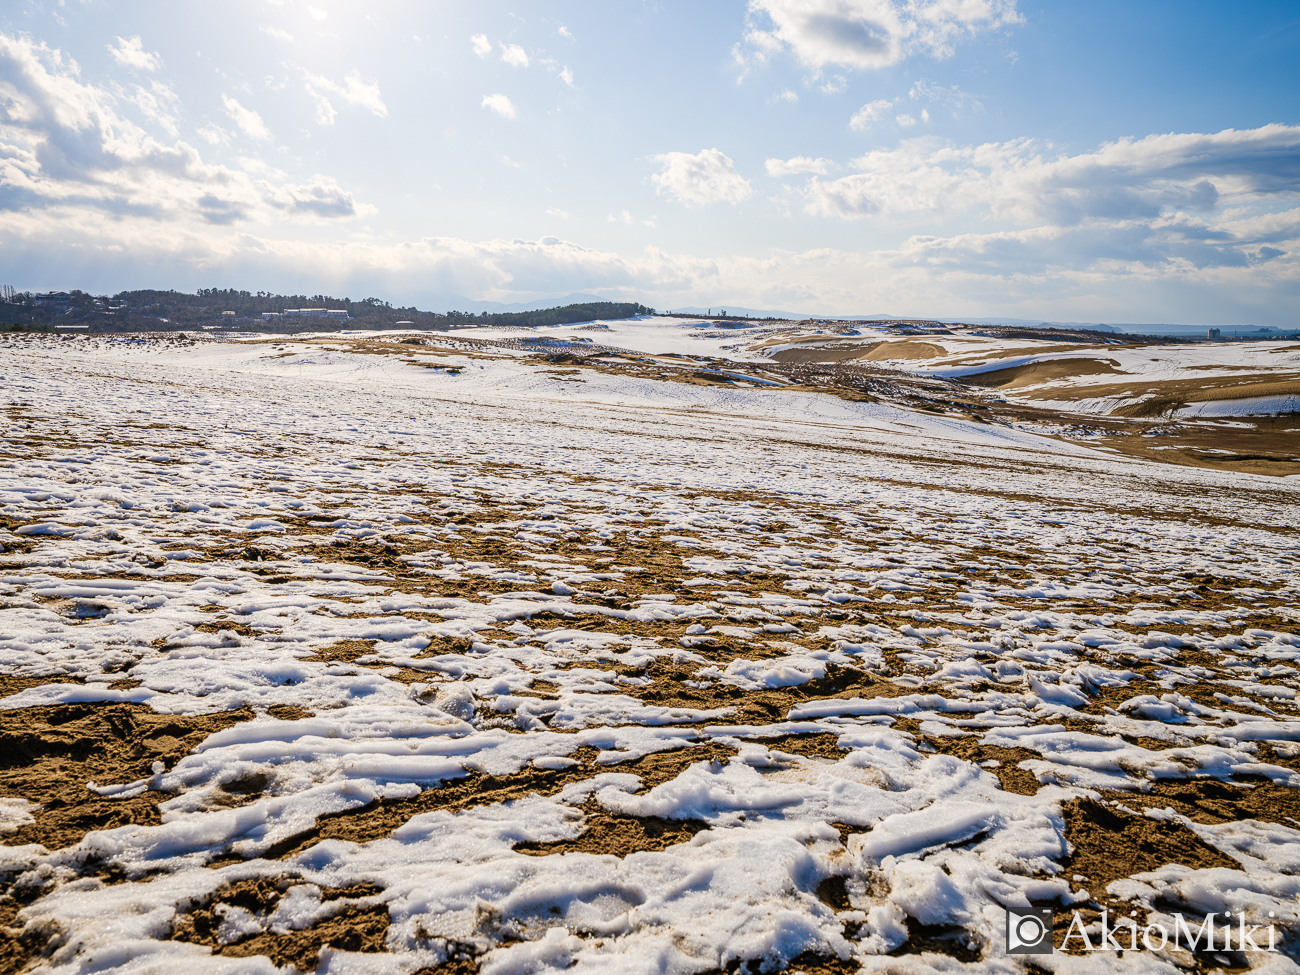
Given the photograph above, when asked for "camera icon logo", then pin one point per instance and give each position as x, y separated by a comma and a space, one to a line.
1029, 932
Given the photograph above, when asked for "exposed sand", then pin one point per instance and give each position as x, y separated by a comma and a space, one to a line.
1043, 372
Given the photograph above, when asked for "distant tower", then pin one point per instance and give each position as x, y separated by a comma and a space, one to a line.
1213, 333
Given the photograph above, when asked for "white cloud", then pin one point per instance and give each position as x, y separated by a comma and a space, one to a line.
500, 104
625, 216
354, 90
320, 197
951, 97
159, 104
785, 95
248, 120
502, 267
482, 46
514, 55
869, 33
326, 113
277, 33
214, 135
557, 212
567, 77
835, 84
707, 177
317, 13
509, 162
799, 164
1180, 200
69, 158
869, 114
130, 53
565, 32
905, 120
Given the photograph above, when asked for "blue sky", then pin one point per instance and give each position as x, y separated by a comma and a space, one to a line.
1090, 162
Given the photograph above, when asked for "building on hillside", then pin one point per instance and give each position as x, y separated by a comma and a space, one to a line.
269, 315
58, 298
339, 314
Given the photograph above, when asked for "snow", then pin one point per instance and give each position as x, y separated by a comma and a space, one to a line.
1245, 406
995, 580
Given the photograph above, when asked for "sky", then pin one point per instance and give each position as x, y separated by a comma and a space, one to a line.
1099, 162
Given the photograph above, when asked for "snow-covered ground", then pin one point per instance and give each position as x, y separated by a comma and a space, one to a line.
674, 336
1198, 378
549, 668
1194, 379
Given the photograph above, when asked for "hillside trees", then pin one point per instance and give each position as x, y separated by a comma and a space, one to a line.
174, 310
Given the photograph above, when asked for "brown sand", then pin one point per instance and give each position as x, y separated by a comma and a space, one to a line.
620, 836
48, 754
354, 926
1109, 844
1036, 373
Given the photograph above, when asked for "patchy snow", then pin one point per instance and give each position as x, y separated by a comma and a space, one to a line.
1245, 406
520, 557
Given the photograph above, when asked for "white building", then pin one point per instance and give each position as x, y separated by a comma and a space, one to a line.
339, 314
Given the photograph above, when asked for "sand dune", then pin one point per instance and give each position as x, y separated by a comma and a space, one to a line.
1044, 371
437, 657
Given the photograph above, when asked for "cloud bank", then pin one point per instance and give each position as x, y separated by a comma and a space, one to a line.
1188, 200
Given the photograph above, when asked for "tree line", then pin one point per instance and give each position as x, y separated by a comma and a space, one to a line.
172, 310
